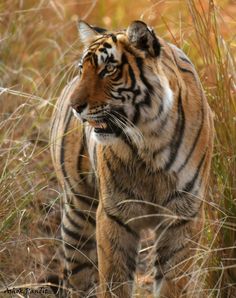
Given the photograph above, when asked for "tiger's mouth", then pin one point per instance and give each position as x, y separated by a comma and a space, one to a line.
105, 126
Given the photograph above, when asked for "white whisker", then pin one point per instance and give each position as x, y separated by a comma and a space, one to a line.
129, 129
131, 125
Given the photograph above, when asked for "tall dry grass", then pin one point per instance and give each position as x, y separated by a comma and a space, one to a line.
38, 49
218, 58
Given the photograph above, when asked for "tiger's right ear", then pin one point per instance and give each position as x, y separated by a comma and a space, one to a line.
86, 32
143, 38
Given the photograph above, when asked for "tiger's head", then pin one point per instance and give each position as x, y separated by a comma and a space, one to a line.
121, 85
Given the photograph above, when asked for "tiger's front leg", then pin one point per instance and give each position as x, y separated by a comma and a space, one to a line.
176, 262
117, 246
177, 241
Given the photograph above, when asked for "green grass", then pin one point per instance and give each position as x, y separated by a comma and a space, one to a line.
39, 47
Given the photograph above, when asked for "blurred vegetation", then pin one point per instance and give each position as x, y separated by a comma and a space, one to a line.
39, 48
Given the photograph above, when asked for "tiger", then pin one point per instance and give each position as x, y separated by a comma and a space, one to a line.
131, 143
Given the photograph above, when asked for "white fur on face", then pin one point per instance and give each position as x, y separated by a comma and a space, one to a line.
110, 52
77, 115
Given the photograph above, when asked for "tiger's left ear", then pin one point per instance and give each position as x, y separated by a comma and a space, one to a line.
143, 38
86, 32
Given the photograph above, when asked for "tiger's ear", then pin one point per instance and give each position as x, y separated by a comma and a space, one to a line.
86, 32
143, 38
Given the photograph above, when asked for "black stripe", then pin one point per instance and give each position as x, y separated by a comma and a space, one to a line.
85, 199
119, 74
156, 45
159, 276
80, 268
83, 245
99, 30
163, 259
129, 255
80, 159
56, 284
185, 70
185, 60
131, 276
179, 133
107, 45
95, 59
132, 78
87, 57
181, 67
204, 170
160, 110
72, 222
139, 62
136, 114
76, 236
124, 60
121, 90
71, 260
65, 273
70, 233
190, 185
114, 38
129, 143
97, 41
84, 215
131, 264
194, 143
121, 224
131, 75
103, 51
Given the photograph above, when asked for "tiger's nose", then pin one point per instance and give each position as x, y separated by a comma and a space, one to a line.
79, 107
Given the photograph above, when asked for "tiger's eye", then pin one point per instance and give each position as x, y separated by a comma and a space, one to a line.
110, 67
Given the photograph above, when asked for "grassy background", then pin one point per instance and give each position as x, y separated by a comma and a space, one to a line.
38, 50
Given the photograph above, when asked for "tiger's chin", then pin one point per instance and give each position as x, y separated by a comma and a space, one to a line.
105, 138
104, 131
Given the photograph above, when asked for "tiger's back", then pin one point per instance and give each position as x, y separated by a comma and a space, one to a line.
153, 175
